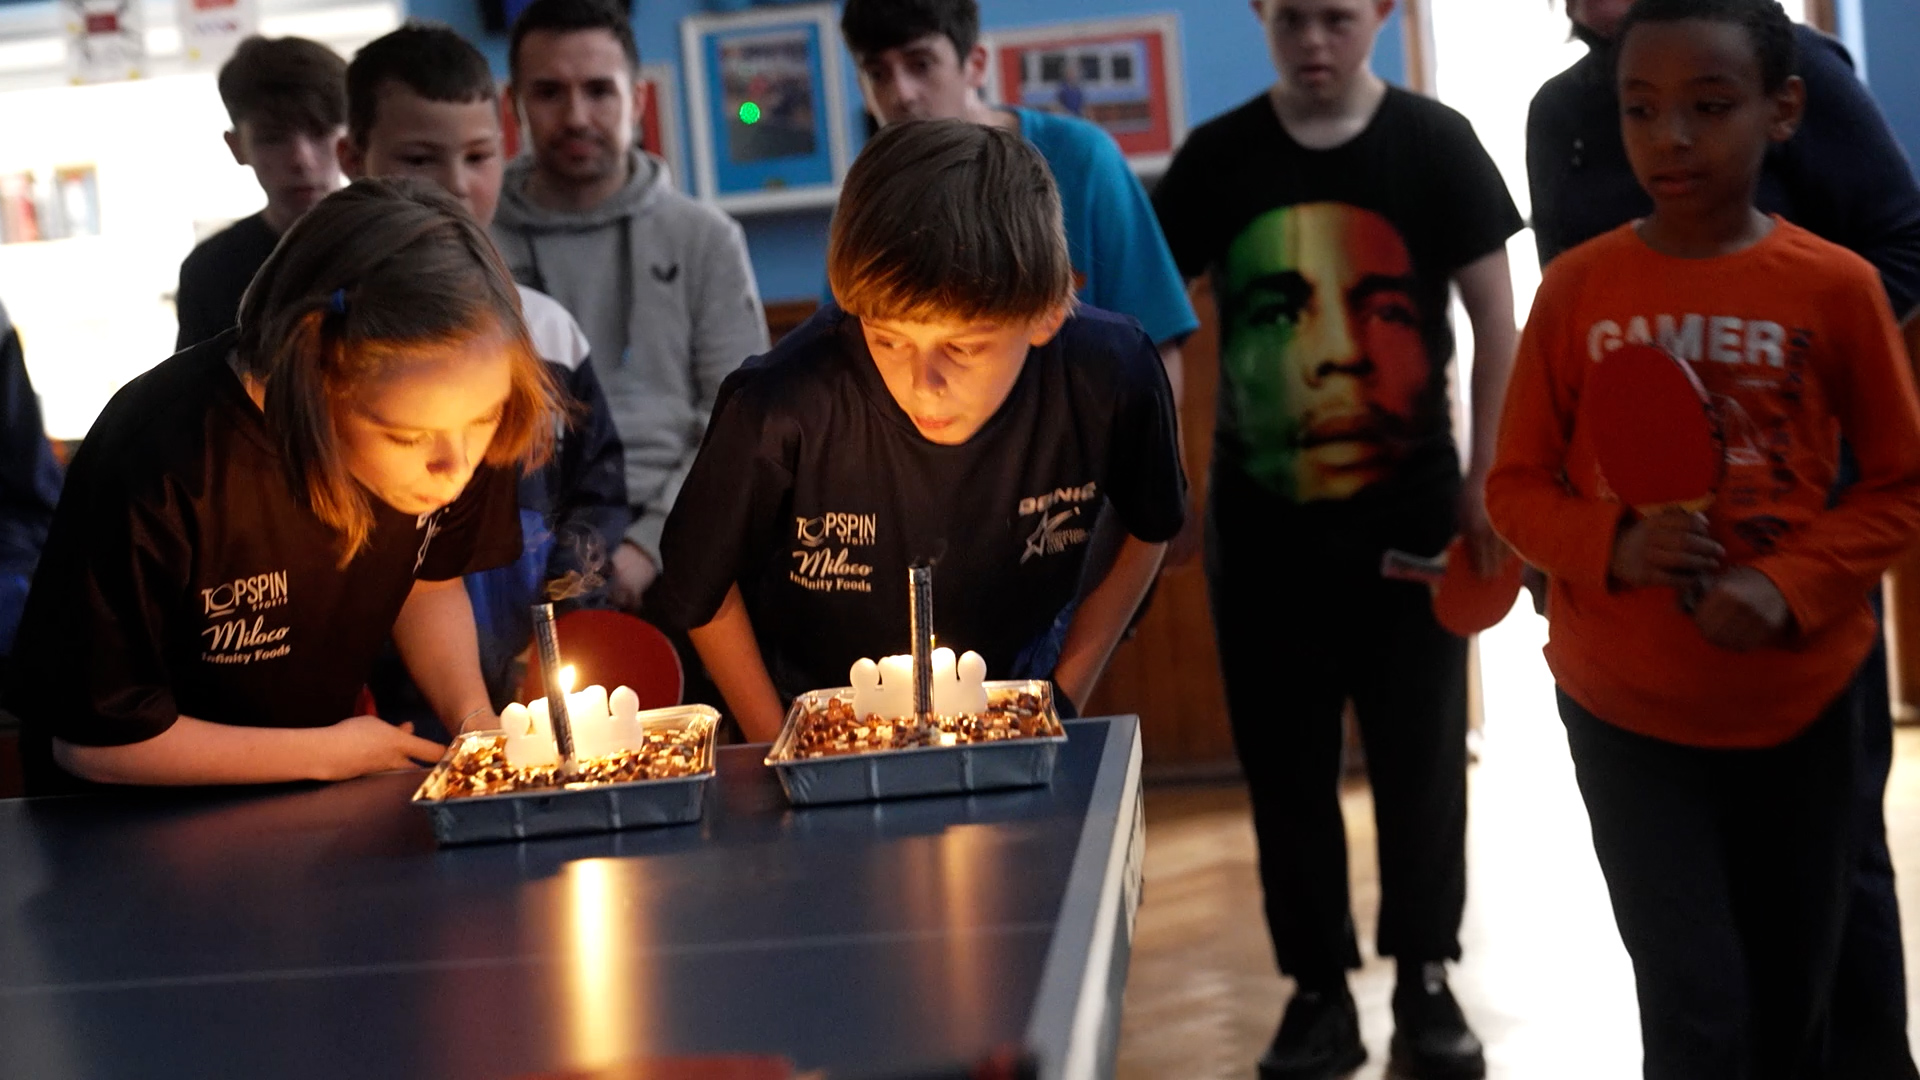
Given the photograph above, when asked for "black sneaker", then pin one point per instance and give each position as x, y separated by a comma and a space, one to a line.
1431, 1039
1319, 1038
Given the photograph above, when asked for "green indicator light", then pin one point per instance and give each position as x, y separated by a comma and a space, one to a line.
749, 113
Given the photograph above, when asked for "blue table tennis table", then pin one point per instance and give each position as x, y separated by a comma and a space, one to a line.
317, 931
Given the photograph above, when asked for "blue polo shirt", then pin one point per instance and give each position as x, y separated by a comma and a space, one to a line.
1120, 260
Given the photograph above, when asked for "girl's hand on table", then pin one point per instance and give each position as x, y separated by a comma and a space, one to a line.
368, 744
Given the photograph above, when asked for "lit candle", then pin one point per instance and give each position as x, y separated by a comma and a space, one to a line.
603, 724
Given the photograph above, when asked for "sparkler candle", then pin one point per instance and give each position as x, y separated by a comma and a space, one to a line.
920, 625
549, 644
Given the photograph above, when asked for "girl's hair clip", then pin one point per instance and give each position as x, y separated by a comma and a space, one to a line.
337, 303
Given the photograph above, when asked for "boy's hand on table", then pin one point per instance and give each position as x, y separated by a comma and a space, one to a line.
368, 744
1742, 610
1672, 548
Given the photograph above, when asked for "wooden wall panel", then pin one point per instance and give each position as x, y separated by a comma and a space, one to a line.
784, 315
1169, 672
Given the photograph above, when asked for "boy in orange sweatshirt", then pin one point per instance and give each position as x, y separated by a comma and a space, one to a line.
1714, 749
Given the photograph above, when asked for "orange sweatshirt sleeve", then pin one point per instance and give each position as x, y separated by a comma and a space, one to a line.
1824, 568
1567, 535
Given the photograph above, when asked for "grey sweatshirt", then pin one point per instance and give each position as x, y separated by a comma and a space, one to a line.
663, 288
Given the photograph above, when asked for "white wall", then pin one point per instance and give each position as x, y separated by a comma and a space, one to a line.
94, 312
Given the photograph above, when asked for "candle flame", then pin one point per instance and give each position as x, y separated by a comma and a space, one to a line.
567, 675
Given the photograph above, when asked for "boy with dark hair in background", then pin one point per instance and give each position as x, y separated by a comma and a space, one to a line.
1335, 213
923, 60
1715, 745
661, 283
420, 103
950, 405
287, 100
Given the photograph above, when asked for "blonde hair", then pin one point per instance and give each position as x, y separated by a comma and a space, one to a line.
374, 273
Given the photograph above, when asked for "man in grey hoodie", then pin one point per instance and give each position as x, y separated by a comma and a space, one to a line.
660, 283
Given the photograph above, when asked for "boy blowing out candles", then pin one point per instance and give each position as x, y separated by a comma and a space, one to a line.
951, 404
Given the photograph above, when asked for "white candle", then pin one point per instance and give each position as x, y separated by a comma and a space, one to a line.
529, 735
592, 724
603, 724
624, 706
958, 688
896, 687
885, 688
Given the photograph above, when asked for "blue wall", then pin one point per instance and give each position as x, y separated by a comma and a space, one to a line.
1226, 63
1891, 31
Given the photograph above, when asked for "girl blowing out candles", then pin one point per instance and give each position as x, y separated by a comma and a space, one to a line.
248, 522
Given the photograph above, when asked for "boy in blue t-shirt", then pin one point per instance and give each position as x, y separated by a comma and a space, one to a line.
924, 61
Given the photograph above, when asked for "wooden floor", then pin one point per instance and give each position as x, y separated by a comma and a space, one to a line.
1544, 979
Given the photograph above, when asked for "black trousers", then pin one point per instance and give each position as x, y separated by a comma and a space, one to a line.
1305, 623
1869, 1016
1730, 872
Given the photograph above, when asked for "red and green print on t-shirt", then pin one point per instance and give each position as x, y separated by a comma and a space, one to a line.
1328, 373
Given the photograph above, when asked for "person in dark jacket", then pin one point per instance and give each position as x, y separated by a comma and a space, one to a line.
29, 485
1843, 177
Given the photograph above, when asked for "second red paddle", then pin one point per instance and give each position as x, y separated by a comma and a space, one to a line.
1463, 601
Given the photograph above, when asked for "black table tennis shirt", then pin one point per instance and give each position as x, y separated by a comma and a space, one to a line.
183, 574
815, 492
215, 275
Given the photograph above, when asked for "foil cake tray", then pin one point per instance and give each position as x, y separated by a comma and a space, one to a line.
582, 807
1026, 761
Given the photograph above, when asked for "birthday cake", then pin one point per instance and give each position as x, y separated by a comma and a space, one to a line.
480, 765
834, 726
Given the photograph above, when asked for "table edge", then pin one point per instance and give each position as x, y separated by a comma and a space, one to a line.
1069, 1015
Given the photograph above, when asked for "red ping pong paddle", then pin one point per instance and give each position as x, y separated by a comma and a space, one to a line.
1655, 435
1463, 602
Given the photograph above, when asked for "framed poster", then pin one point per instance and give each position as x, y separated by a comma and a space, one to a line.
210, 30
1122, 74
660, 120
106, 39
767, 106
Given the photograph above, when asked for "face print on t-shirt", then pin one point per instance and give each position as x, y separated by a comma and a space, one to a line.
1324, 357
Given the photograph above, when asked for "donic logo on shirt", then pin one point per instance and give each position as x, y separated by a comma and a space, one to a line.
1059, 520
237, 631
825, 560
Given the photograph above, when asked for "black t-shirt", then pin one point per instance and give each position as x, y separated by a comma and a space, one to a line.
216, 274
184, 575
1331, 269
815, 493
